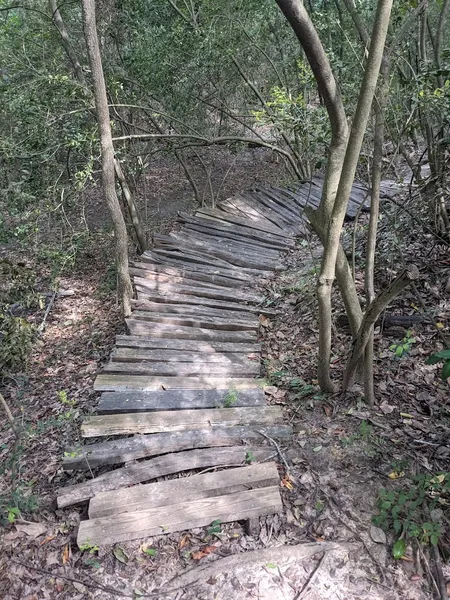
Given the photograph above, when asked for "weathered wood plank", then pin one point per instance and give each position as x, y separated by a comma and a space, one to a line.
183, 516
149, 329
284, 205
122, 383
193, 310
238, 256
149, 296
168, 356
208, 234
179, 420
216, 293
252, 207
132, 402
220, 215
130, 341
187, 277
144, 446
266, 197
167, 493
203, 321
161, 466
281, 240
180, 269
183, 369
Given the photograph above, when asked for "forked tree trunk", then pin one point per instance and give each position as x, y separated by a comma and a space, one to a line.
125, 290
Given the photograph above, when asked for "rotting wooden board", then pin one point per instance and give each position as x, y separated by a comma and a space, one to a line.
249, 204
169, 356
208, 234
239, 256
189, 277
144, 446
280, 240
137, 327
215, 293
220, 215
124, 383
179, 420
267, 198
146, 295
232, 247
132, 402
286, 207
192, 310
161, 466
167, 493
130, 341
183, 369
190, 268
183, 516
204, 321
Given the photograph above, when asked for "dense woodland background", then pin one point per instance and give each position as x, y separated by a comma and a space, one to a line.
206, 98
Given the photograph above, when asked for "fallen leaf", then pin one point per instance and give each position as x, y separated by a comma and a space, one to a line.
271, 390
120, 555
396, 474
32, 529
203, 552
67, 554
49, 538
184, 541
286, 482
378, 535
386, 408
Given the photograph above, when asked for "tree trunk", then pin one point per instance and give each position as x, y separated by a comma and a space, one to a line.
327, 273
125, 290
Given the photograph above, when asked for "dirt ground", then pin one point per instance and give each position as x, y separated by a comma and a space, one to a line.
324, 545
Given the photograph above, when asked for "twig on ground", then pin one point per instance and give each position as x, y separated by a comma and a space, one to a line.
429, 571
244, 560
310, 579
47, 311
280, 454
439, 574
9, 416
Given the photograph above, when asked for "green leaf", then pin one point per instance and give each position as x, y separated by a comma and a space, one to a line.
151, 552
446, 370
399, 549
434, 539
439, 357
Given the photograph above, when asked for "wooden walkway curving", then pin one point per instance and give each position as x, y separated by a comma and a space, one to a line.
184, 382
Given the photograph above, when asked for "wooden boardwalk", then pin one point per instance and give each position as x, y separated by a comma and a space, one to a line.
181, 391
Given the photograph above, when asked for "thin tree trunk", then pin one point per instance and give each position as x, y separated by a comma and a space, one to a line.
59, 24
327, 274
125, 290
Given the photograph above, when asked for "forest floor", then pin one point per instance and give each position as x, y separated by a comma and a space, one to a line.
341, 455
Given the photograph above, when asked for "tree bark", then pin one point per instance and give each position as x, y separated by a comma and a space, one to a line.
125, 290
371, 315
328, 268
59, 24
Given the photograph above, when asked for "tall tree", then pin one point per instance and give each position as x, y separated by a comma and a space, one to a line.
125, 289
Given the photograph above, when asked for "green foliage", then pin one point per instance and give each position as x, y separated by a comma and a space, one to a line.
215, 527
249, 457
406, 512
403, 348
230, 398
17, 500
16, 342
444, 357
89, 547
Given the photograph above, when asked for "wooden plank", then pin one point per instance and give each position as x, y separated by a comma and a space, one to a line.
266, 197
183, 516
285, 205
252, 206
122, 383
148, 262
185, 257
192, 310
281, 240
215, 293
208, 234
204, 321
185, 276
184, 369
168, 356
179, 420
160, 466
130, 341
144, 446
220, 215
167, 493
139, 327
131, 402
149, 296
238, 256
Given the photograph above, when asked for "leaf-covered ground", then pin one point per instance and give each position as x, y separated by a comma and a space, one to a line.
340, 457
